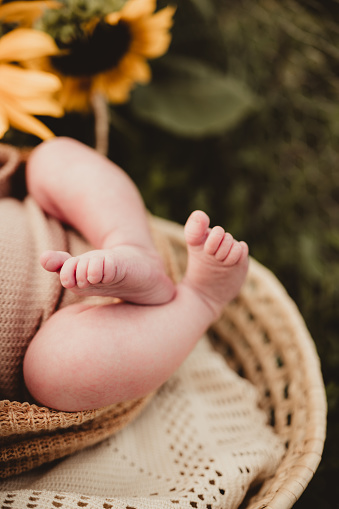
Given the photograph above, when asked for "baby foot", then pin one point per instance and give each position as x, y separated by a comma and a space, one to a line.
130, 273
217, 264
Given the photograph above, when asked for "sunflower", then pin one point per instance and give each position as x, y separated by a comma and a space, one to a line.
112, 56
25, 12
25, 92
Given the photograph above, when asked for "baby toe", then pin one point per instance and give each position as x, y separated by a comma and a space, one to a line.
224, 247
67, 273
234, 254
81, 272
214, 240
245, 249
196, 228
52, 261
110, 271
95, 270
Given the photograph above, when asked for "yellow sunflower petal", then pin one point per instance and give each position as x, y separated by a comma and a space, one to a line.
4, 123
40, 106
151, 45
27, 83
134, 9
115, 86
27, 123
161, 20
25, 12
25, 43
113, 18
136, 68
75, 94
150, 36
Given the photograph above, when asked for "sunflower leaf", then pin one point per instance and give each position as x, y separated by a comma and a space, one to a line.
192, 99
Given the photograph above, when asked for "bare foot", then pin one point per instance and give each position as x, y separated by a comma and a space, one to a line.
128, 272
217, 264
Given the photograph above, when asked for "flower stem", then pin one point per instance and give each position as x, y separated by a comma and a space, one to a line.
101, 123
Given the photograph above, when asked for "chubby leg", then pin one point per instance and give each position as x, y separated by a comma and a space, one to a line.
86, 357
78, 186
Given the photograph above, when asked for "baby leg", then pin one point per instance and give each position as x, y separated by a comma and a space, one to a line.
84, 189
87, 357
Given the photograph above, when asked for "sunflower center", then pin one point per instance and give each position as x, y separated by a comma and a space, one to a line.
99, 51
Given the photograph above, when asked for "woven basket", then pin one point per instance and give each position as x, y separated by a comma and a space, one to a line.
264, 338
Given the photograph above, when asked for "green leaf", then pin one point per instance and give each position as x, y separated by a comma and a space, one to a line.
191, 99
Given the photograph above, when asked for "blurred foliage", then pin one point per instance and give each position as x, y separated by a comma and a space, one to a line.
190, 98
268, 171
